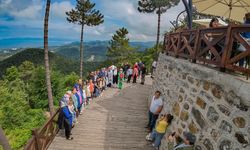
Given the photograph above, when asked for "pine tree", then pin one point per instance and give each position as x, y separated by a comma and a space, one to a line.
119, 48
46, 59
84, 14
158, 6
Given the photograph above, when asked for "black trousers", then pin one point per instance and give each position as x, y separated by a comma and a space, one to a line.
134, 79
115, 79
129, 78
68, 128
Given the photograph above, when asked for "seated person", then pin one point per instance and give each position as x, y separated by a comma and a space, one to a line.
176, 143
161, 126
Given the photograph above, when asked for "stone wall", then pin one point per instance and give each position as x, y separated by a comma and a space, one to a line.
212, 105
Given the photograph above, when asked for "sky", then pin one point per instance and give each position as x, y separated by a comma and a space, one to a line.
24, 19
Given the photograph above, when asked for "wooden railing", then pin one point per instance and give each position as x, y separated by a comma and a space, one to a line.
42, 138
215, 46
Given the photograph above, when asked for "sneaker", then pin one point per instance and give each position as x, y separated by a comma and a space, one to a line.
70, 138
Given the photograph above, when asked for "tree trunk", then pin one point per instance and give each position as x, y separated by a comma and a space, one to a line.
46, 59
158, 28
81, 53
3, 140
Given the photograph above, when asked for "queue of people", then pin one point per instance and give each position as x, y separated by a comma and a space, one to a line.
76, 100
157, 127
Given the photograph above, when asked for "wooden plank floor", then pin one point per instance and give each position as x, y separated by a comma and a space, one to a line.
115, 121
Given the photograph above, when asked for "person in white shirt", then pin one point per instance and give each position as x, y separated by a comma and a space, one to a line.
154, 110
129, 74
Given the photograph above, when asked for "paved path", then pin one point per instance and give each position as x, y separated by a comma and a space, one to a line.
113, 122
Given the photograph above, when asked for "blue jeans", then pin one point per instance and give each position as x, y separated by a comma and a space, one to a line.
152, 120
156, 137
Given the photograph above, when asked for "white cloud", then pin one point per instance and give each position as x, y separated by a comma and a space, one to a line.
31, 12
117, 13
141, 26
58, 9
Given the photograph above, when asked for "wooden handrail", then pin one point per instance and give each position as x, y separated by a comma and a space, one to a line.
42, 138
215, 46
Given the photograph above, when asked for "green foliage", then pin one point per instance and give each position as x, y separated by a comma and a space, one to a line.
17, 118
158, 6
119, 49
84, 14
23, 99
11, 73
70, 80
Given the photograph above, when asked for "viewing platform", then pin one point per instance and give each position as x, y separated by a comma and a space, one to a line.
116, 120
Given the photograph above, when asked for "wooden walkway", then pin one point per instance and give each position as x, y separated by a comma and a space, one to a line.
114, 121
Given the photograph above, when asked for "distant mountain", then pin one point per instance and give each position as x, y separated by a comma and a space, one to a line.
36, 56
96, 49
94, 52
93, 49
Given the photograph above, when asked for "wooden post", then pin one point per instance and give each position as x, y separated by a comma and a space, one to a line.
36, 136
226, 51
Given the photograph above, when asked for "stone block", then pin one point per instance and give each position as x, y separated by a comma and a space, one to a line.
217, 91
201, 103
183, 125
206, 85
239, 122
193, 128
186, 106
176, 109
184, 116
193, 90
215, 134
198, 147
184, 76
225, 145
225, 126
199, 118
232, 98
190, 79
198, 83
212, 114
241, 138
182, 90
207, 143
180, 131
225, 110
180, 99
207, 96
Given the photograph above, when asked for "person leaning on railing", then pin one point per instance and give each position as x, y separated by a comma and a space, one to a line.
214, 23
246, 36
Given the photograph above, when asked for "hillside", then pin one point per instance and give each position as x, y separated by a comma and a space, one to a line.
36, 56
94, 49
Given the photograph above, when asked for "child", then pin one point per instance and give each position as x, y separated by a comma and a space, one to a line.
88, 93
160, 128
91, 88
